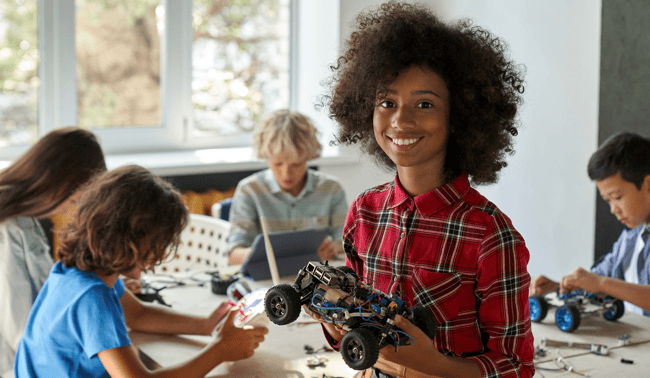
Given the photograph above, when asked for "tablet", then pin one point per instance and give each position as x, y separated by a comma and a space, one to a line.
292, 249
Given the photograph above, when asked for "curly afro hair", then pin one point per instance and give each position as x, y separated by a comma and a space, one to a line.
485, 87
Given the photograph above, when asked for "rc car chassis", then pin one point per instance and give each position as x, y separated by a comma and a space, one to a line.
339, 297
572, 306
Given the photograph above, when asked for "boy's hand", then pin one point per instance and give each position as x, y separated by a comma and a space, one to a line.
542, 285
238, 255
581, 279
328, 249
217, 315
238, 343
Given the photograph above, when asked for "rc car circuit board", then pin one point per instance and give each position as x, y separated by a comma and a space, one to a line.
339, 297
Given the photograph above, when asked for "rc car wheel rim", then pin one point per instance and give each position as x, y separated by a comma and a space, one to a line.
355, 351
611, 313
564, 318
278, 306
535, 309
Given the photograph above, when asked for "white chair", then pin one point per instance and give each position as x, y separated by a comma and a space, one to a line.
202, 248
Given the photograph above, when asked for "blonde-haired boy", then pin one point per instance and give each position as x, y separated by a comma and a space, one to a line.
288, 194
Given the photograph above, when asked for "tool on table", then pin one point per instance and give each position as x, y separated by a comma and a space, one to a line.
150, 294
564, 364
316, 361
599, 349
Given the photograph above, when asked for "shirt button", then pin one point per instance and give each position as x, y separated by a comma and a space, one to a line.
402, 234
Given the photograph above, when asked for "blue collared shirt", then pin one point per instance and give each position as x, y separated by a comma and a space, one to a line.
614, 263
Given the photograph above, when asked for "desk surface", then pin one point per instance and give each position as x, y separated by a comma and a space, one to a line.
596, 330
282, 354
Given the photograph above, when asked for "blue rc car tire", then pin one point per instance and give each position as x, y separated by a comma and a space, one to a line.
617, 310
282, 304
359, 348
538, 308
567, 318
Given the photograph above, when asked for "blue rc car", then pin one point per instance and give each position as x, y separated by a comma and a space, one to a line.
573, 305
339, 297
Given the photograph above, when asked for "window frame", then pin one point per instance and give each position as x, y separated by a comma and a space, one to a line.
57, 96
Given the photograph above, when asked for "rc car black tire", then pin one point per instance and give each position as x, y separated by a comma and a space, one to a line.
424, 319
568, 323
346, 269
359, 348
538, 308
282, 304
618, 309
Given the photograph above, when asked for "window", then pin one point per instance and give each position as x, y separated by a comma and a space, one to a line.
162, 75
18, 72
118, 62
240, 64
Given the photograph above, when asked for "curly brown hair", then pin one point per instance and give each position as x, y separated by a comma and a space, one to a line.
124, 217
485, 87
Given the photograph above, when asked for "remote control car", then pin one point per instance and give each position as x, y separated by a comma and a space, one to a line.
573, 305
339, 297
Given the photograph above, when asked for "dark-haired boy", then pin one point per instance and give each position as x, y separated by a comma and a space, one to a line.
621, 169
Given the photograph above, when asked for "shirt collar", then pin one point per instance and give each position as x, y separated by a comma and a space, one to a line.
644, 228
430, 202
275, 188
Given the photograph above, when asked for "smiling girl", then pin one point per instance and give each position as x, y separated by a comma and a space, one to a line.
437, 103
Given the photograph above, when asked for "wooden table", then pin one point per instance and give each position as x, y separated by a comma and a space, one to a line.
282, 353
596, 330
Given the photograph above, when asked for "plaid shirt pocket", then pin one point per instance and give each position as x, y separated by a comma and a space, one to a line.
437, 291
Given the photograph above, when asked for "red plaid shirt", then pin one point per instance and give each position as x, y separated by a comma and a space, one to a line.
453, 251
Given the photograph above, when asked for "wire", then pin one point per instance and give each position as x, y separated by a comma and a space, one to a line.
405, 334
361, 314
327, 318
373, 281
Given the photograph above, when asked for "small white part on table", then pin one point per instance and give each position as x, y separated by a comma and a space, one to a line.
595, 330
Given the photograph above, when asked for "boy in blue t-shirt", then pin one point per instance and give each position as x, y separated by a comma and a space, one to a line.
621, 169
127, 220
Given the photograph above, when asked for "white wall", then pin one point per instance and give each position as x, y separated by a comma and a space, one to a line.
317, 21
545, 189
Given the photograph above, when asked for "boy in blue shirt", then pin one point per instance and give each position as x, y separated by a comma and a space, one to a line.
127, 220
621, 169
